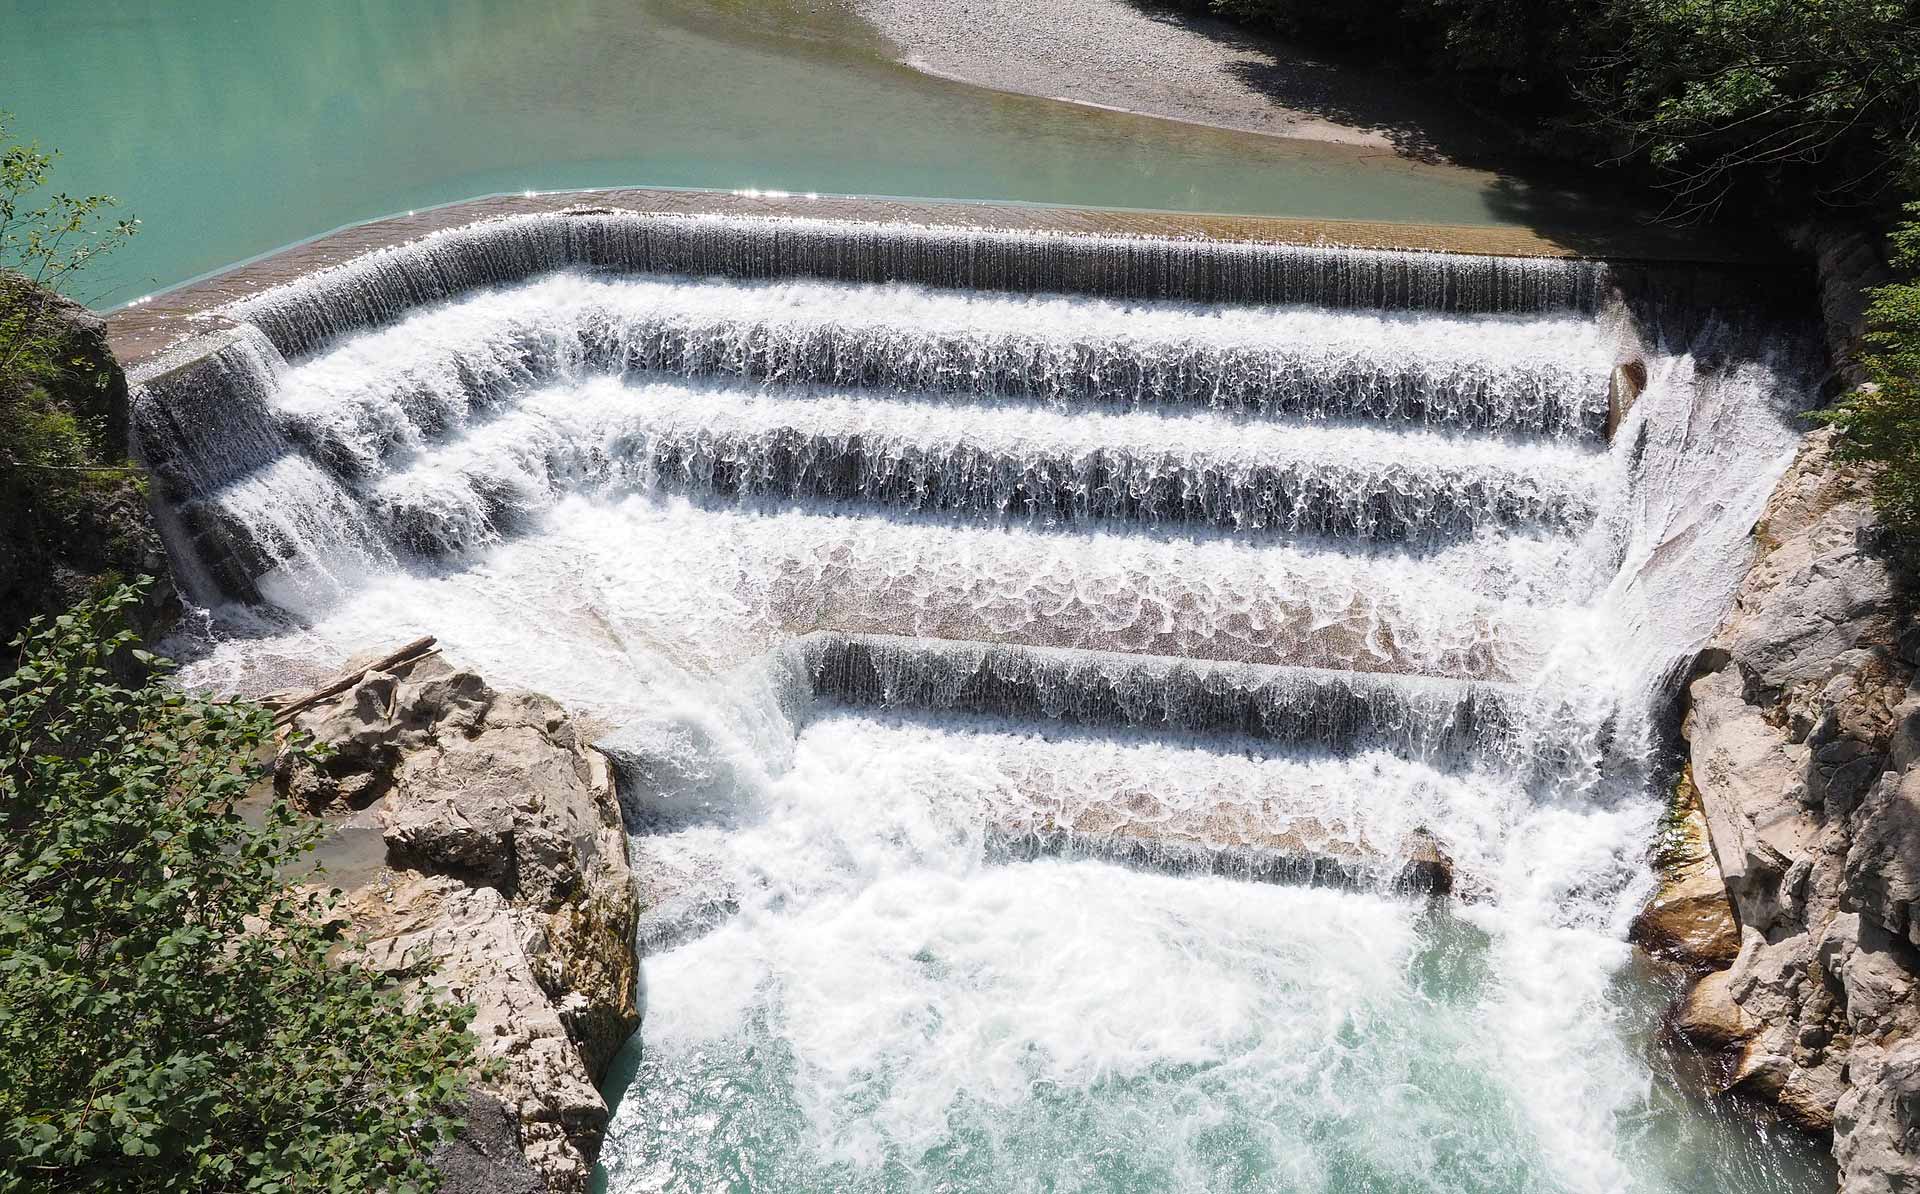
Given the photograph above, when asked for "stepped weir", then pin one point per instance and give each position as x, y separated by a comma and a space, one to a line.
978, 598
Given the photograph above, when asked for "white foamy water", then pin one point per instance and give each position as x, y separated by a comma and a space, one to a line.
1540, 373
894, 1007
1030, 947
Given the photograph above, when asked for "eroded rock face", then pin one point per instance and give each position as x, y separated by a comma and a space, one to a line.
474, 826
1803, 732
1848, 264
1883, 861
1690, 919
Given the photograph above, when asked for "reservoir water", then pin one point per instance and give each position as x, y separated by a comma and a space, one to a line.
1045, 673
232, 127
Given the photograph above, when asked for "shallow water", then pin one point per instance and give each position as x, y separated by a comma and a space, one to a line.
231, 127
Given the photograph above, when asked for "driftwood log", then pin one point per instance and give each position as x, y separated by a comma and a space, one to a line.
287, 706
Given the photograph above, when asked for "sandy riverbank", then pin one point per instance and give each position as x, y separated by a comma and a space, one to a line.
1160, 62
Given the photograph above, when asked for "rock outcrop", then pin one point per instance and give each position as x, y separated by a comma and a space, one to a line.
1847, 263
1803, 731
475, 827
1690, 919
73, 508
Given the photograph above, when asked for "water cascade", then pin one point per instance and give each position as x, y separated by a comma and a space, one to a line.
1055, 678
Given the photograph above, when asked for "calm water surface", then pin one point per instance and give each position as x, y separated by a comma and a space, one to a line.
233, 127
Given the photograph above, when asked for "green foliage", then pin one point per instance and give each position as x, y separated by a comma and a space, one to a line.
173, 1015
1509, 48
44, 237
1354, 24
1880, 422
1811, 98
1778, 103
1520, 50
1769, 108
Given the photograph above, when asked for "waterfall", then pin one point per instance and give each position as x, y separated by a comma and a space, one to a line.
211, 420
1425, 719
381, 286
1053, 677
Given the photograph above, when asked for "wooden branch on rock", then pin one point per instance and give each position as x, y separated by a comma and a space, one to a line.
413, 652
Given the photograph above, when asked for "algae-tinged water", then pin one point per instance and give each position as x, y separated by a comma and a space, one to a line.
233, 127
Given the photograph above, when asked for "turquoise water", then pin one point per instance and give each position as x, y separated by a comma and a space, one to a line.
233, 127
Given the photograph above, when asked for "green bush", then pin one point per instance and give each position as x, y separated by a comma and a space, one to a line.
1774, 104
51, 396
1779, 109
174, 1014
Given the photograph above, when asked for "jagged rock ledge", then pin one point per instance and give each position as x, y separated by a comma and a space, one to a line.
1803, 732
478, 828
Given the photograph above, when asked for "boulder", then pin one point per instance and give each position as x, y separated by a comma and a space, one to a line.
1709, 1016
68, 533
1690, 918
1624, 387
476, 828
487, 1159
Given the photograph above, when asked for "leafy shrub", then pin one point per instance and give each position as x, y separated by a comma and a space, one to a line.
75, 519
174, 1014
1774, 104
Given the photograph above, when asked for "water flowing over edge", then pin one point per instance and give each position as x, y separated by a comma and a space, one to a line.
1713, 409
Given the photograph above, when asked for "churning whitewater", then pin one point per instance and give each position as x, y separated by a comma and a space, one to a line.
1093, 714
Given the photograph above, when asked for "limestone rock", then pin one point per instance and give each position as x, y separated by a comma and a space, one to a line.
1876, 1124
1751, 782
1710, 1016
1876, 974
499, 852
1690, 918
1803, 737
1796, 1056
1815, 595
485, 958
1876, 1130
1847, 263
1883, 862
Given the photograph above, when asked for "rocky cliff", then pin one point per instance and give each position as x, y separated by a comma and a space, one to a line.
73, 508
477, 828
1803, 732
